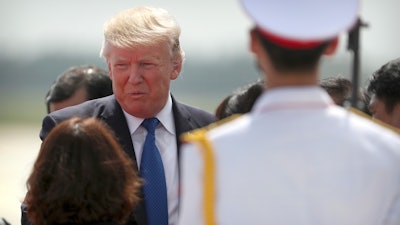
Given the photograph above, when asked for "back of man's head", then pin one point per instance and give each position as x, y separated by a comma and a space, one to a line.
92, 81
296, 33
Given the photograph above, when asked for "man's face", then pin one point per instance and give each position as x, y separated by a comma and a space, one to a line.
141, 77
78, 97
378, 110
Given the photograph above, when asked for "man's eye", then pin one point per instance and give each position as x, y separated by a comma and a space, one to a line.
121, 65
147, 64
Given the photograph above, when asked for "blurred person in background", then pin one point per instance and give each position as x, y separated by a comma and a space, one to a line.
240, 101
384, 89
339, 88
76, 85
81, 176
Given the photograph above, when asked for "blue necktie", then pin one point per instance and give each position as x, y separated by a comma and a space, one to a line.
152, 171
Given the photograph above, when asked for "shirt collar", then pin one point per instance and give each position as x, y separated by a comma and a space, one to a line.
165, 116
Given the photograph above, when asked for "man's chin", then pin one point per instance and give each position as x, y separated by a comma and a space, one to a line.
138, 110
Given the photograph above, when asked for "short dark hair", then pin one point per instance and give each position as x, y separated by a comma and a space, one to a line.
81, 175
240, 101
385, 84
338, 86
285, 59
95, 80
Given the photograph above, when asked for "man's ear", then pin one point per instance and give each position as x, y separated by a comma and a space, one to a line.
331, 48
177, 67
109, 70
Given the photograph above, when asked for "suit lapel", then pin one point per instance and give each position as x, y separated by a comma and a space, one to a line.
115, 118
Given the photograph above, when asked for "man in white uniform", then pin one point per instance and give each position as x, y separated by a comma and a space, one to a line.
296, 158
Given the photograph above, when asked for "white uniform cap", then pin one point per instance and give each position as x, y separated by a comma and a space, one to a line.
303, 20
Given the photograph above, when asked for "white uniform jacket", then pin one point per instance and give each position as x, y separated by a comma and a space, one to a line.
295, 159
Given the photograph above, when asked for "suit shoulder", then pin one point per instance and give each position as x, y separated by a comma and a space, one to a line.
86, 109
200, 116
200, 133
194, 109
92, 108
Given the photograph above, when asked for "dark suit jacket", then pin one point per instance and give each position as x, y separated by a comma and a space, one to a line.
108, 109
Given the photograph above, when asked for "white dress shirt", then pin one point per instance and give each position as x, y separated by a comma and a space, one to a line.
166, 143
296, 159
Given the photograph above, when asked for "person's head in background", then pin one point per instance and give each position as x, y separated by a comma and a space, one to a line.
142, 58
240, 101
76, 85
339, 88
384, 91
81, 175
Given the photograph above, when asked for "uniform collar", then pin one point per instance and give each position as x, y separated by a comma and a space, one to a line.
292, 98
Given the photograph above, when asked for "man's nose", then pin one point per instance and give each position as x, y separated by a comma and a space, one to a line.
135, 75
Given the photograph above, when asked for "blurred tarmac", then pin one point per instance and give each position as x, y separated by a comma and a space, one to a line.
19, 145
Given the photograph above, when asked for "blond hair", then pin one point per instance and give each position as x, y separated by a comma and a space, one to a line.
142, 26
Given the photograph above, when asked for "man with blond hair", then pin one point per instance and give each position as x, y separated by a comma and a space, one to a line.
143, 55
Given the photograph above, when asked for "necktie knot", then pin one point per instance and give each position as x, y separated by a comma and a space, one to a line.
150, 124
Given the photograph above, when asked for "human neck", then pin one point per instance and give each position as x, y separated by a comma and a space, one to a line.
276, 79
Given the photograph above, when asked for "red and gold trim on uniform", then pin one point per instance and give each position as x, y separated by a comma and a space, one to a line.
360, 113
289, 43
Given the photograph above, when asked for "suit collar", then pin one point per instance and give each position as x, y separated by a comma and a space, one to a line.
182, 117
114, 117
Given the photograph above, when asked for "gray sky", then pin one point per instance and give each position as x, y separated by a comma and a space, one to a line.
209, 27
32, 27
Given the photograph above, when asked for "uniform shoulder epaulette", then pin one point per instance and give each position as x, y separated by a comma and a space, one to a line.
368, 117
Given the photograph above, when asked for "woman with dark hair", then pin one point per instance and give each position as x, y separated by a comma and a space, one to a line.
241, 100
81, 176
